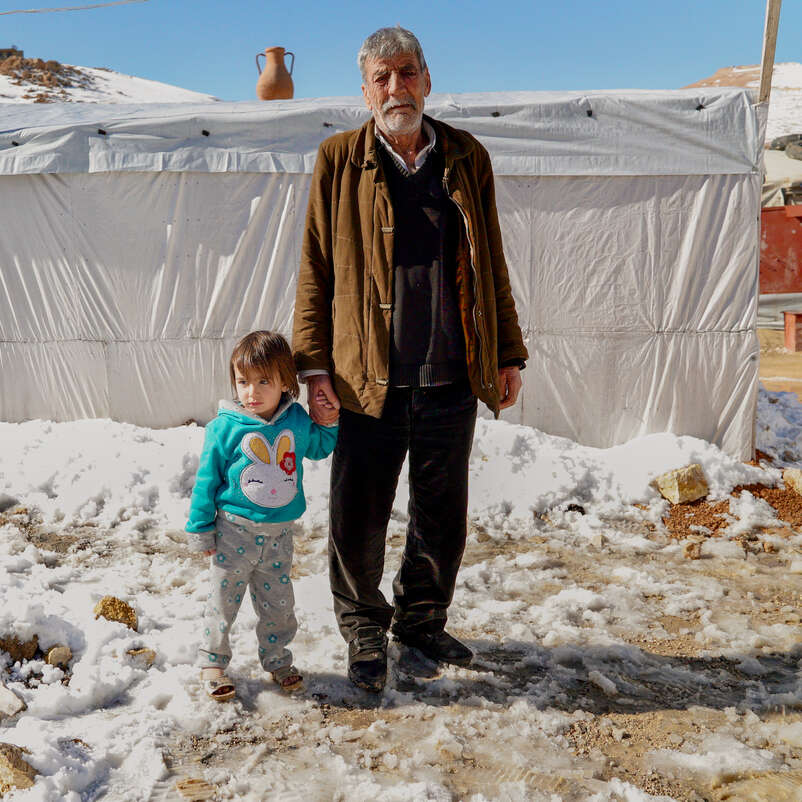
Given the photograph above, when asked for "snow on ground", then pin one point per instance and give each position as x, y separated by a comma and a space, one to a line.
595, 639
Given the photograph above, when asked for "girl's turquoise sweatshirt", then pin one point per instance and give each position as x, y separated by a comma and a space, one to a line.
254, 467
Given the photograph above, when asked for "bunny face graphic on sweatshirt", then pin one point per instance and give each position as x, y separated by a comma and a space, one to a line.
271, 480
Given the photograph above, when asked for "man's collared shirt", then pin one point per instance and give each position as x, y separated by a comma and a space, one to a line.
420, 159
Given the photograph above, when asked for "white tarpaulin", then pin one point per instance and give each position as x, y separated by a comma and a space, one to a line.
138, 243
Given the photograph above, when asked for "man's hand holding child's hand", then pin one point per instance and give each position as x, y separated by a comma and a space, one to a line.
324, 406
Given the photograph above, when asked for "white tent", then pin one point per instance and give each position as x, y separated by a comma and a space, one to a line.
139, 242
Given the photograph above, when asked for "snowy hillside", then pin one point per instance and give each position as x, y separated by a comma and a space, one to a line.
26, 80
785, 103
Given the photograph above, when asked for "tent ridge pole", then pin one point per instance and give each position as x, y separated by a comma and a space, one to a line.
769, 46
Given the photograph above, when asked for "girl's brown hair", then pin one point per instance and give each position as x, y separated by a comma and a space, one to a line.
266, 353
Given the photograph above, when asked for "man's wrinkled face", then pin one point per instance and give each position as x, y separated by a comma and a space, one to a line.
394, 90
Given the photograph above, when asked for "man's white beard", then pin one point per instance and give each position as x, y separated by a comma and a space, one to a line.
399, 124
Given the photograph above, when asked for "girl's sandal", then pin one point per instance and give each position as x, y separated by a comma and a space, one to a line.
289, 679
217, 685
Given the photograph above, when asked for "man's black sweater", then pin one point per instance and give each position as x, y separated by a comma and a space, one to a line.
427, 346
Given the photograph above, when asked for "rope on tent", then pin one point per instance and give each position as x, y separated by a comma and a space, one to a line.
70, 8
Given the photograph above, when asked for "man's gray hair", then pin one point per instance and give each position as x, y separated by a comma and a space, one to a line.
389, 42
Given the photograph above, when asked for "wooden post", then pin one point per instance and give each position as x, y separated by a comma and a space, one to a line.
769, 46
793, 331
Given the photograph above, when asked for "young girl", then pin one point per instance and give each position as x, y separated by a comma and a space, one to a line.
248, 490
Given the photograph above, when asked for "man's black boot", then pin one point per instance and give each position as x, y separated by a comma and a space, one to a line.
367, 658
439, 646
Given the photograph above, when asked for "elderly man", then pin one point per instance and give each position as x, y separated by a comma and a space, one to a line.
403, 318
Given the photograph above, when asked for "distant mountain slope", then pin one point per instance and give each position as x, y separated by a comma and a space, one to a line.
28, 80
785, 103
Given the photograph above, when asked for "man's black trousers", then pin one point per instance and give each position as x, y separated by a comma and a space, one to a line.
435, 424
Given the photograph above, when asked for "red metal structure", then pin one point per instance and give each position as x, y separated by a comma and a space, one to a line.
781, 249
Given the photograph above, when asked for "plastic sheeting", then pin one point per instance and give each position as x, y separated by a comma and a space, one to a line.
135, 286
639, 305
122, 291
697, 131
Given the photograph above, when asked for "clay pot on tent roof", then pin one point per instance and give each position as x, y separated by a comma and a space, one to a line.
275, 82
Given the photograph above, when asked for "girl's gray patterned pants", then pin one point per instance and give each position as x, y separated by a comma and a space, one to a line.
256, 556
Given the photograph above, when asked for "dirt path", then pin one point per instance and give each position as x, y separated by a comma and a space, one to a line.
537, 723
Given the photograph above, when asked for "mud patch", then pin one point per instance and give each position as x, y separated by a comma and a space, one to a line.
703, 518
481, 546
697, 518
681, 641
627, 739
787, 502
46, 538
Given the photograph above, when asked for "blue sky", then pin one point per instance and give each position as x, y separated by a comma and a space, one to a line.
209, 46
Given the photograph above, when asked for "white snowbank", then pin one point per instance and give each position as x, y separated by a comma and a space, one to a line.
116, 475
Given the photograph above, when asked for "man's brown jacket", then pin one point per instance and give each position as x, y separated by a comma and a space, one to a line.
344, 300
